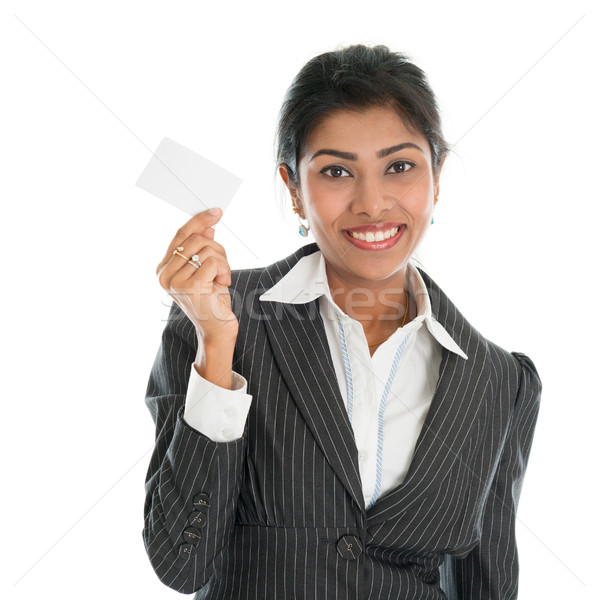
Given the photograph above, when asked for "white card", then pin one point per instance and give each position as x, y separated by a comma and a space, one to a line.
187, 180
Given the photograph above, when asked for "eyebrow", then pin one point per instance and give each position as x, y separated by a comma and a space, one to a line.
352, 156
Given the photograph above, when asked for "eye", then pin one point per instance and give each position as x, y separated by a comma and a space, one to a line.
335, 172
400, 167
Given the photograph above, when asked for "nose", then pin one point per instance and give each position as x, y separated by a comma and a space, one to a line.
370, 198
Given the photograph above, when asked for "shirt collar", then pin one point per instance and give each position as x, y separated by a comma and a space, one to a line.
307, 281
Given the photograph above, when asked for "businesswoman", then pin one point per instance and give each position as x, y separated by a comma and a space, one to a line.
331, 426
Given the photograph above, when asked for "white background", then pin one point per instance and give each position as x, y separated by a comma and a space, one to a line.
88, 91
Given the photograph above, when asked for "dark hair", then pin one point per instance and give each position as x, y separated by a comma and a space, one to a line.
356, 77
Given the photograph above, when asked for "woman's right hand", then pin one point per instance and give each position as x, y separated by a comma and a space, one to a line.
202, 293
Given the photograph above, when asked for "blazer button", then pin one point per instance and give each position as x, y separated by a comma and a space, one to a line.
186, 551
201, 501
192, 535
197, 519
349, 547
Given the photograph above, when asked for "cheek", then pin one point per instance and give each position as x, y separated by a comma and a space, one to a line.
322, 215
419, 200
322, 206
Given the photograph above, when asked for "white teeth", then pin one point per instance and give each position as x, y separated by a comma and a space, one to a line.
379, 236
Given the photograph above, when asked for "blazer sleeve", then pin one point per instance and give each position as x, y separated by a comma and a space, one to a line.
490, 571
192, 483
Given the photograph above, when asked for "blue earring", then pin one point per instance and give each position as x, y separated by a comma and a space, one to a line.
303, 229
432, 220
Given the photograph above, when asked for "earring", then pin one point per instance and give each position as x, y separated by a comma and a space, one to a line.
436, 198
303, 229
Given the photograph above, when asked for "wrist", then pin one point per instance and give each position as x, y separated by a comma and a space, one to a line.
214, 362
222, 338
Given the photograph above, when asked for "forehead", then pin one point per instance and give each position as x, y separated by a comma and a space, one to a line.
375, 128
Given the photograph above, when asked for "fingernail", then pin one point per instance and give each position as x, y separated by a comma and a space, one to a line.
214, 211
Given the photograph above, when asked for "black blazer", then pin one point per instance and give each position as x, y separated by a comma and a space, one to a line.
279, 513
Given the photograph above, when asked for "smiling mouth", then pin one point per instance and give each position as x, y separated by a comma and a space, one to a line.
374, 236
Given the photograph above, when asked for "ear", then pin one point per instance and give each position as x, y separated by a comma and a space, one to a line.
293, 189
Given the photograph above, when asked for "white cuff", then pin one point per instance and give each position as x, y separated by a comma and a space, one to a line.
216, 412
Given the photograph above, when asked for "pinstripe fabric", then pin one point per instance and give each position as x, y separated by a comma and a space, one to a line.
283, 495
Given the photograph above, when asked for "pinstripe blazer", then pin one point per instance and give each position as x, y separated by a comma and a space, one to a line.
279, 513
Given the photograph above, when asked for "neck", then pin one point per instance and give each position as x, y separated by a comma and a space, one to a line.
379, 307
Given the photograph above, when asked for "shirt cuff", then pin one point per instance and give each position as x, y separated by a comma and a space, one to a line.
216, 412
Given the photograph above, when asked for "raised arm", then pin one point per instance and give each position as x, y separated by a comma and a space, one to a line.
193, 482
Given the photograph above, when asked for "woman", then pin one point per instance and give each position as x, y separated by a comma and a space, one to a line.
331, 426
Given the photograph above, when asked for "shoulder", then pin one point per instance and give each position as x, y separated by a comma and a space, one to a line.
505, 366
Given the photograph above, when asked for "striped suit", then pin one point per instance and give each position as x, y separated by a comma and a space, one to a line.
279, 513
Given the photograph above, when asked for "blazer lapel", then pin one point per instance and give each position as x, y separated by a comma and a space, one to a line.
462, 390
299, 344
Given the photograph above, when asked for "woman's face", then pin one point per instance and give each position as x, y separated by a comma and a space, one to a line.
367, 189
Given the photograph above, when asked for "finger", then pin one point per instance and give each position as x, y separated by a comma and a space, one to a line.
198, 224
201, 281
209, 255
201, 222
195, 245
190, 246
209, 233
198, 246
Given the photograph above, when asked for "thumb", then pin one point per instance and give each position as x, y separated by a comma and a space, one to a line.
215, 213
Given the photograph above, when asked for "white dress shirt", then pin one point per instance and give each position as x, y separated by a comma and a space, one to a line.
220, 414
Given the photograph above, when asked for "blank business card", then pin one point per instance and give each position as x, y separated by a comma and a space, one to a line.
186, 179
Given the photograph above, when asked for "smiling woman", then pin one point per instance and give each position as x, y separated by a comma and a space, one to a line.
369, 211
331, 426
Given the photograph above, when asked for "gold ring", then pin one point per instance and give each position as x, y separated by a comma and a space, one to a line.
181, 255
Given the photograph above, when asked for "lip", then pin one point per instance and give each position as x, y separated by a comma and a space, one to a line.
383, 244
